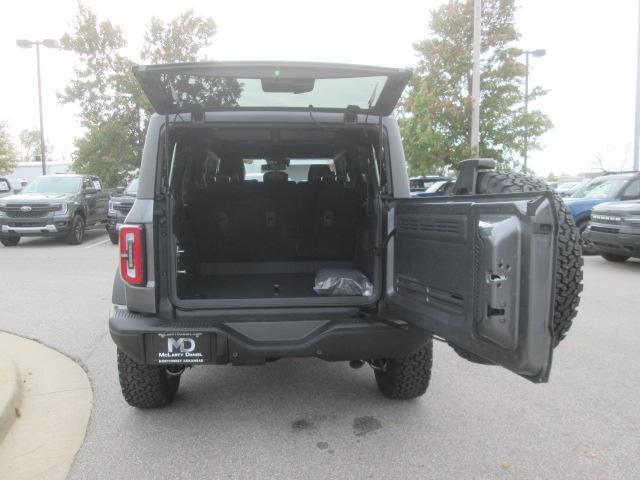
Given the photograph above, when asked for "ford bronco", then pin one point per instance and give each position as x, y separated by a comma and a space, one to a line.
273, 219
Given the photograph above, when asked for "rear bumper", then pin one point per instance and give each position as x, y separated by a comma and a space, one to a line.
616, 243
249, 341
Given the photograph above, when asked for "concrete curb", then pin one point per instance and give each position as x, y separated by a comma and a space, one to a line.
10, 395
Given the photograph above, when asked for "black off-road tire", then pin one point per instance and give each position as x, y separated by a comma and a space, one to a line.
146, 386
612, 257
9, 241
114, 237
406, 378
76, 232
568, 258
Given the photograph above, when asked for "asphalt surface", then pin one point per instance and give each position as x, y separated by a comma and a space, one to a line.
310, 419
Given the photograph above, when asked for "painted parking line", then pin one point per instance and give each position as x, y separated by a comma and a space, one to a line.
97, 243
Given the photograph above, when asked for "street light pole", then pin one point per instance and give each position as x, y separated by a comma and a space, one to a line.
636, 143
49, 43
43, 154
526, 53
475, 80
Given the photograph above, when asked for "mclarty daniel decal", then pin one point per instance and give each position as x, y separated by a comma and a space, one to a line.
181, 347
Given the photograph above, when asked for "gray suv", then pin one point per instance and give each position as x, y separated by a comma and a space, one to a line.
273, 219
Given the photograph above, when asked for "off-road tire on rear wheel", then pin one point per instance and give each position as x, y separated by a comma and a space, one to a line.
405, 378
114, 237
76, 232
568, 257
146, 386
9, 241
612, 257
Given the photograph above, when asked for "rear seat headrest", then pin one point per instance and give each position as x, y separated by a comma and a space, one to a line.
232, 167
317, 172
328, 177
275, 176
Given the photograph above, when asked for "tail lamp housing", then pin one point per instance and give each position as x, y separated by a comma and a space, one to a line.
132, 258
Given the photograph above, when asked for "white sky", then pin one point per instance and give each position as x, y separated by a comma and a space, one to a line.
589, 67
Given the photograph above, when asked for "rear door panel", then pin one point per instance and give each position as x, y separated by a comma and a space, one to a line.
478, 272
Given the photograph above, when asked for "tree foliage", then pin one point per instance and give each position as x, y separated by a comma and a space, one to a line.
436, 127
112, 104
30, 147
7, 150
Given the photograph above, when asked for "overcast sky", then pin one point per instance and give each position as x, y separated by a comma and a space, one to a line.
589, 67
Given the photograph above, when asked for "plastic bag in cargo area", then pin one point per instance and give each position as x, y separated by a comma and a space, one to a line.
342, 282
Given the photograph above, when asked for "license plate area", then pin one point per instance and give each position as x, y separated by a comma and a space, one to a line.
178, 348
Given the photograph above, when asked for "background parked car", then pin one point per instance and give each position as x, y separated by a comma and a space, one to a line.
615, 230
607, 188
438, 188
54, 205
119, 206
567, 189
423, 182
5, 187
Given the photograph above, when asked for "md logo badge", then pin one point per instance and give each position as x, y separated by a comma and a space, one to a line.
181, 348
183, 345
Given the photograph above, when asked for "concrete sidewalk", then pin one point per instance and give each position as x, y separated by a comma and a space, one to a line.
49, 424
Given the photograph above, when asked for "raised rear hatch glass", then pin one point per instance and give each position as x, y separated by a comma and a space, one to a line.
187, 87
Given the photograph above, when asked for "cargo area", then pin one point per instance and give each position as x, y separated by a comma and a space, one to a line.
257, 212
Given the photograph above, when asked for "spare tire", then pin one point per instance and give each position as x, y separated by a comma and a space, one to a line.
568, 258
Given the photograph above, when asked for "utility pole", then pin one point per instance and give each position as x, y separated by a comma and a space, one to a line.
636, 143
49, 43
475, 87
526, 113
42, 143
534, 53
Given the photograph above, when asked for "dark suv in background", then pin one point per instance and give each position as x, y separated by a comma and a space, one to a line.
63, 205
119, 206
615, 229
606, 188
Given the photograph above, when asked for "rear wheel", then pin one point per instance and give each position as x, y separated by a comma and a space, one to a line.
76, 233
146, 386
405, 378
568, 277
612, 257
9, 241
114, 238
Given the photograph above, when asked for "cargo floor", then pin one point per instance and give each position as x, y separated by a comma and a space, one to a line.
261, 285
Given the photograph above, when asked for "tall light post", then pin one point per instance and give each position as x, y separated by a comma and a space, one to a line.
636, 141
534, 53
475, 81
49, 43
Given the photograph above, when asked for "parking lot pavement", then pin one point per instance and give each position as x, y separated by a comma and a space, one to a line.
310, 419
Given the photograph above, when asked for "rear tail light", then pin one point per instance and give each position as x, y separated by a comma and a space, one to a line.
132, 260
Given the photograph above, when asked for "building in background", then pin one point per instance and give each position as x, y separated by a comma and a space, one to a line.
30, 170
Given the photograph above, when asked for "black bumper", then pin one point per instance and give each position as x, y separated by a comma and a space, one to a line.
616, 243
237, 340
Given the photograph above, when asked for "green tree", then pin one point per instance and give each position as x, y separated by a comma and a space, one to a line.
436, 121
30, 147
112, 105
7, 150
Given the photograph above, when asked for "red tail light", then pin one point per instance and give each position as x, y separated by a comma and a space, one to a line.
132, 261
